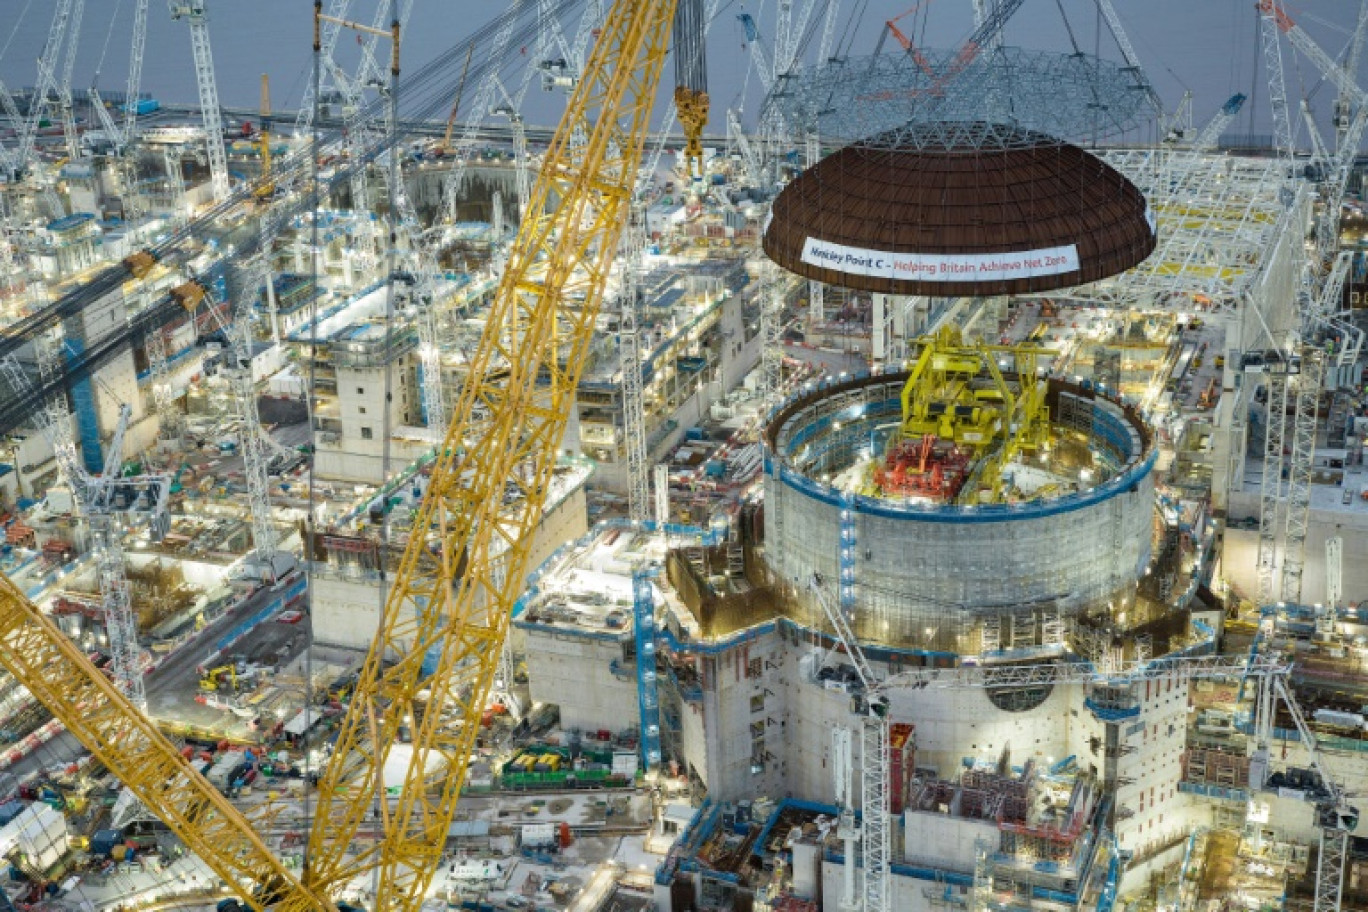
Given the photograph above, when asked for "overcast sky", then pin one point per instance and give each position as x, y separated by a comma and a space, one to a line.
1206, 46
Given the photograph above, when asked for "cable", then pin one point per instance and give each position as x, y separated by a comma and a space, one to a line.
19, 20
109, 33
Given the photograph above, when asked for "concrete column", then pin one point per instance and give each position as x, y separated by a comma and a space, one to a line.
878, 342
272, 306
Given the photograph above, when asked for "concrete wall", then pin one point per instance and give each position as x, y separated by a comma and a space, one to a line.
744, 723
1240, 552
346, 610
1150, 766
909, 571
943, 841
573, 672
927, 576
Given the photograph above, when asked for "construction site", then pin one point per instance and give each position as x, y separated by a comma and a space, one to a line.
929, 480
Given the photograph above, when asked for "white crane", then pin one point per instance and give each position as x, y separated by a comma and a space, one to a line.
195, 13
1351, 118
64, 96
98, 499
1317, 309
46, 85
630, 360
1206, 140
245, 279
874, 761
1335, 817
135, 64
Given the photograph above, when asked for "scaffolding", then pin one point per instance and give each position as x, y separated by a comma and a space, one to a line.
648, 696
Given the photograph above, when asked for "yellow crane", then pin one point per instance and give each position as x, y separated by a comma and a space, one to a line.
267, 186
432, 665
456, 104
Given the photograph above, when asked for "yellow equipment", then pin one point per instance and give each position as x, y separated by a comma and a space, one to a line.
211, 678
267, 186
456, 105
539, 330
958, 392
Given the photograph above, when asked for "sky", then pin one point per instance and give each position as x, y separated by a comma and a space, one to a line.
1207, 47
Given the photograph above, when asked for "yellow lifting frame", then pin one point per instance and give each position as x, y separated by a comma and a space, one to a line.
1000, 423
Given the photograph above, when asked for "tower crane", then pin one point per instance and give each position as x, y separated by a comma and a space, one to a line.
1336, 818
245, 279
1302, 371
432, 665
64, 97
46, 84
195, 12
135, 64
629, 357
94, 497
1351, 119
330, 28
1206, 140
484, 100
874, 759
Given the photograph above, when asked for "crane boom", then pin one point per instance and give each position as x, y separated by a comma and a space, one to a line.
47, 82
195, 12
453, 618
60, 676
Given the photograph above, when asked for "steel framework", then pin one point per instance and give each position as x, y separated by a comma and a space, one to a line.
244, 281
548, 298
1299, 468
876, 98
550, 294
196, 14
1270, 486
94, 497
1220, 220
633, 406
47, 83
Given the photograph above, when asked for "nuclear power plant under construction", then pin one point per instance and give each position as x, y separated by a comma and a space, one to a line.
916, 479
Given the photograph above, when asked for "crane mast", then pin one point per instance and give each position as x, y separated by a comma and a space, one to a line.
549, 297
435, 657
65, 100
874, 757
629, 356
195, 12
47, 82
93, 497
135, 64
244, 280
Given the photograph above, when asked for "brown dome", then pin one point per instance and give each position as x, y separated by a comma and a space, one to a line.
997, 211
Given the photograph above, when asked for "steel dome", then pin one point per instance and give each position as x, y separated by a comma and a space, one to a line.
983, 209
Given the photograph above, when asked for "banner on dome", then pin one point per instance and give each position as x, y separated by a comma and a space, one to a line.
941, 267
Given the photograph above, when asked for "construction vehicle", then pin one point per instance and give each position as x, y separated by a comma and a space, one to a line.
213, 679
547, 304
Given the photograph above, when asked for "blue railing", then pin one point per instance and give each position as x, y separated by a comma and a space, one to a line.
1109, 713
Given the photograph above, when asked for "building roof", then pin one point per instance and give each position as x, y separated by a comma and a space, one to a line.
997, 210
468, 829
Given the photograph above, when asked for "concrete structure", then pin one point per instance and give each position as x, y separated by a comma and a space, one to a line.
346, 598
930, 574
